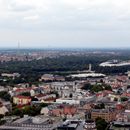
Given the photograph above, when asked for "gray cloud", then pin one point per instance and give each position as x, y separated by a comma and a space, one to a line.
80, 22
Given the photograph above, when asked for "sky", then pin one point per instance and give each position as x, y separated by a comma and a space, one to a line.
65, 23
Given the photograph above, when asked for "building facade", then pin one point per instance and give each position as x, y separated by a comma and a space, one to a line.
106, 114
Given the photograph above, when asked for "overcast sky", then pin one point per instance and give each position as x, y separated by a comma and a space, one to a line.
65, 23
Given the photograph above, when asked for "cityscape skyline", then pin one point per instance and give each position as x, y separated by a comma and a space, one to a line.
64, 64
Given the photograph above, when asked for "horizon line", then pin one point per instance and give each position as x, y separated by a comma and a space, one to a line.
21, 48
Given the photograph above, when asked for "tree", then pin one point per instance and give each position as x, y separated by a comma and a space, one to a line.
115, 99
64, 119
100, 106
26, 94
71, 95
16, 112
87, 86
123, 99
44, 105
101, 124
34, 99
1, 116
108, 87
31, 110
96, 87
101, 80
5, 95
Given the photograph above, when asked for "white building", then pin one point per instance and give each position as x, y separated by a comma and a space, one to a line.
67, 101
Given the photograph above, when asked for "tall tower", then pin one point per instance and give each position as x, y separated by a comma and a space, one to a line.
90, 68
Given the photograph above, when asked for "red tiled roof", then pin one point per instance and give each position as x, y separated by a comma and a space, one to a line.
119, 106
99, 94
66, 110
23, 97
25, 89
69, 110
50, 99
57, 112
126, 94
122, 78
